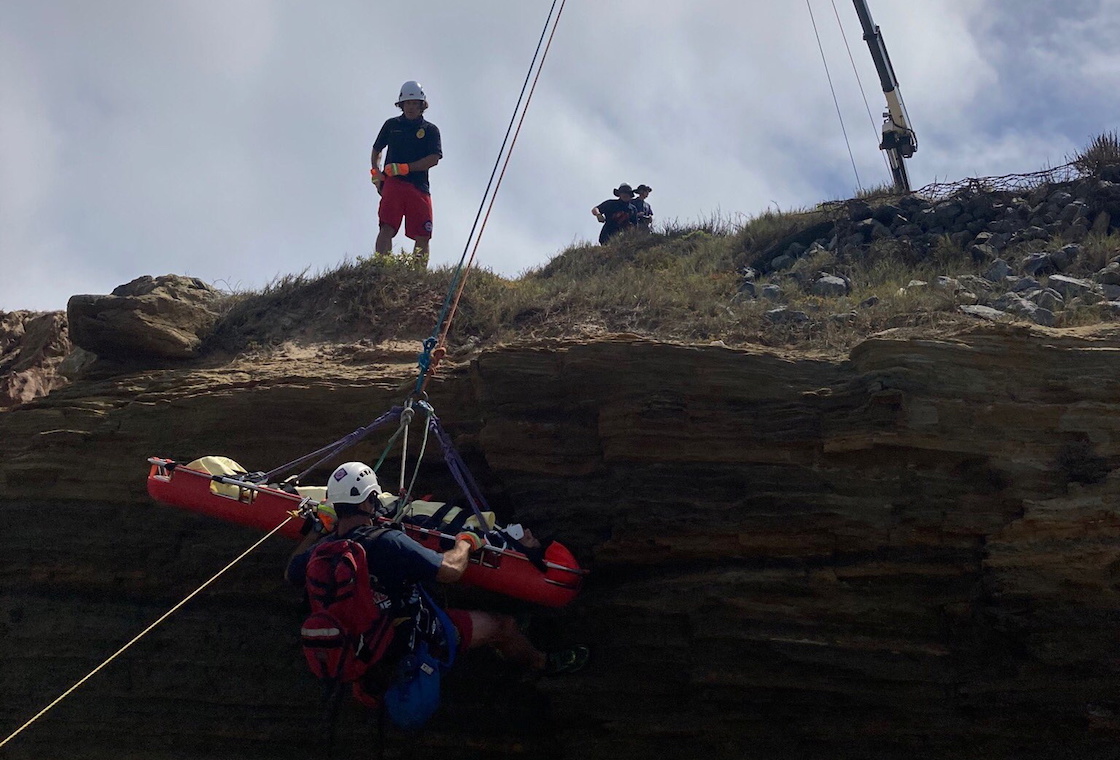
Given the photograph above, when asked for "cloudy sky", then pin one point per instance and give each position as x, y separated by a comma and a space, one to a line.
229, 139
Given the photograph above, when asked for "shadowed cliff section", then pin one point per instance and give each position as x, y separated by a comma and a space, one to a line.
908, 552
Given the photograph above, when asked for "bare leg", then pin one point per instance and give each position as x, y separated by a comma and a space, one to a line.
384, 244
420, 252
502, 633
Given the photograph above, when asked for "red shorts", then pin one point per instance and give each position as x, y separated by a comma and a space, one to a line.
402, 199
461, 619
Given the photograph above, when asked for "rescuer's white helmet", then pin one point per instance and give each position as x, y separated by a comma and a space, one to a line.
411, 90
352, 483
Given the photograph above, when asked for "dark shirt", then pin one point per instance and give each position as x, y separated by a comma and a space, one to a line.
645, 212
620, 216
409, 141
396, 562
397, 566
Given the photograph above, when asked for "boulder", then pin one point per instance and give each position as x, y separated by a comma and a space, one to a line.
785, 315
772, 292
985, 312
1047, 298
830, 286
1069, 287
887, 214
160, 317
1013, 304
1066, 256
974, 283
1038, 264
982, 252
1022, 284
1110, 275
998, 271
781, 262
858, 210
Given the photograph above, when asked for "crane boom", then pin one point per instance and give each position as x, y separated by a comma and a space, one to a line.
899, 140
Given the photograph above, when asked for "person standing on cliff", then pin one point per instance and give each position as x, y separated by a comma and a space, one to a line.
643, 210
414, 146
616, 214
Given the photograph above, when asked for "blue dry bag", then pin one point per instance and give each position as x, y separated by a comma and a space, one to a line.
413, 697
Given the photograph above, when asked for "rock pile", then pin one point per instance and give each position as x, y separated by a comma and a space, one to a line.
1030, 246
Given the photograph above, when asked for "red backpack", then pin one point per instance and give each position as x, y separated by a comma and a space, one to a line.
348, 630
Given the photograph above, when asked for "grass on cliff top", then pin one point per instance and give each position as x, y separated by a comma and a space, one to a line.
681, 283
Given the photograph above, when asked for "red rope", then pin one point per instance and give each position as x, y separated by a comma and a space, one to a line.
441, 349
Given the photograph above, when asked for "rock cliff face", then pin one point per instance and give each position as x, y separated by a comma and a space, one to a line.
912, 552
33, 347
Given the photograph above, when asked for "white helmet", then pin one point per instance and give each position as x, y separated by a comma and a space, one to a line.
411, 90
352, 483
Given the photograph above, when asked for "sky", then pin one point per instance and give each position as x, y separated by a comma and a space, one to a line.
229, 139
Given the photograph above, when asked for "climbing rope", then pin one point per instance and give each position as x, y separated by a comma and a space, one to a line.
835, 101
433, 351
434, 346
143, 633
419, 458
867, 106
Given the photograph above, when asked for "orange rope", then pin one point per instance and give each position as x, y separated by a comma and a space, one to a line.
441, 350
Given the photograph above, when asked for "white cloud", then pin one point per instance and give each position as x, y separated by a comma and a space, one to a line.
229, 140
29, 147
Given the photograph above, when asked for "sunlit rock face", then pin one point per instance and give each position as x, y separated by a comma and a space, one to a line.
150, 317
908, 553
34, 347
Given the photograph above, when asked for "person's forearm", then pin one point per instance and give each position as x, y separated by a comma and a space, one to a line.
454, 563
375, 159
423, 164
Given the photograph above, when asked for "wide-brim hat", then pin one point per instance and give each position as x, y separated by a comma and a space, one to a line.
643, 189
623, 189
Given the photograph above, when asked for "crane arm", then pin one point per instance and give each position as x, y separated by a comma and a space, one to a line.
899, 140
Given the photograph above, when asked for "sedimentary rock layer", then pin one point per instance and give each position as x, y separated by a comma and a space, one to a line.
911, 552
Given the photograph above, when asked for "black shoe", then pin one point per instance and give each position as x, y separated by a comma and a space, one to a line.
564, 661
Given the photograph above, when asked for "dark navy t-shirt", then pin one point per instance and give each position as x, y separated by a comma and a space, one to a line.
620, 216
409, 141
396, 560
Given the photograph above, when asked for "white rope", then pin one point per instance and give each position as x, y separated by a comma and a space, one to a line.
834, 99
143, 633
867, 106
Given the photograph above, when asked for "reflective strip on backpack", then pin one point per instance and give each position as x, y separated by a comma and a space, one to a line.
314, 633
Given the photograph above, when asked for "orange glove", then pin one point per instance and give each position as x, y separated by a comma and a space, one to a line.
396, 170
327, 516
473, 539
376, 176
